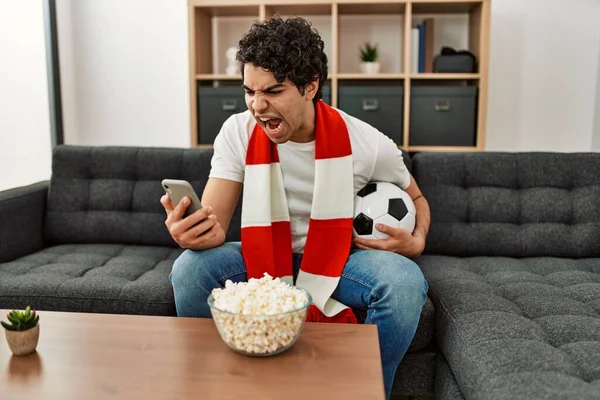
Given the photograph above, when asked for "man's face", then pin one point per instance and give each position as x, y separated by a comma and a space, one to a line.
280, 108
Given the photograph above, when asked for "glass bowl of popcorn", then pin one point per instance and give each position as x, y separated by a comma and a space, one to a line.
261, 317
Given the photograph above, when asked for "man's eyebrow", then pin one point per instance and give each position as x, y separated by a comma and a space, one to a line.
275, 86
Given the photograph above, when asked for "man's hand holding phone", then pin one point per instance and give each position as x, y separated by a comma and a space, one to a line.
197, 231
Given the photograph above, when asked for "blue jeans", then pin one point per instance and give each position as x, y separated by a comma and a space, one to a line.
389, 286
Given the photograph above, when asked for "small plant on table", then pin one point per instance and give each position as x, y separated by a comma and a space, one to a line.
22, 331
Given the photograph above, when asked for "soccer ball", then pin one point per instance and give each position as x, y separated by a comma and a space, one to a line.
382, 202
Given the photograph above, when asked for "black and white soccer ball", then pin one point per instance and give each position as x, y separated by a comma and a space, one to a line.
382, 202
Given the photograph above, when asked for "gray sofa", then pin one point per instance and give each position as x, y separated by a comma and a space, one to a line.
513, 262
93, 239
514, 281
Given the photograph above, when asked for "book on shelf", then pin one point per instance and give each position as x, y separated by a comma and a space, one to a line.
422, 50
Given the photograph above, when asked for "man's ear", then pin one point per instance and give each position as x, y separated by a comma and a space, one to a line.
311, 89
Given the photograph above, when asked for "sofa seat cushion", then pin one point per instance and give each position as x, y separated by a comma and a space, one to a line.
518, 328
118, 279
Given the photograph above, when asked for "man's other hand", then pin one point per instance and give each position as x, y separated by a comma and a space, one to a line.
399, 241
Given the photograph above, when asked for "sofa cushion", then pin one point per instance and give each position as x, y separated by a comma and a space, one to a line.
415, 376
513, 205
446, 387
117, 279
424, 334
518, 328
112, 194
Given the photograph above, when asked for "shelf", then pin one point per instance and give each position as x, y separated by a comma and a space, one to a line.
217, 77
245, 7
357, 8
298, 9
229, 10
444, 76
223, 3
444, 6
345, 26
352, 76
292, 2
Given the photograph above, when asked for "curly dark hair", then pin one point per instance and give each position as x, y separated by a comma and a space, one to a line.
288, 48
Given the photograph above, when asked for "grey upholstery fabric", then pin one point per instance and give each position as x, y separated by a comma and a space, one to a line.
112, 194
513, 205
518, 328
117, 279
415, 376
424, 334
446, 387
513, 262
22, 216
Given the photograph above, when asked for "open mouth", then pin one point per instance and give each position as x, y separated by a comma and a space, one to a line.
272, 126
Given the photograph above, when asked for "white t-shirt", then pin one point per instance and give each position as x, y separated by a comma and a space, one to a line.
375, 157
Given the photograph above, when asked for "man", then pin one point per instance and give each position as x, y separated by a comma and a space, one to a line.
301, 162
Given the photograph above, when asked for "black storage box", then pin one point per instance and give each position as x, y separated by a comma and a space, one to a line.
215, 105
452, 61
380, 106
327, 93
443, 115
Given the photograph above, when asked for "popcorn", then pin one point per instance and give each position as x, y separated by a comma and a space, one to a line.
258, 316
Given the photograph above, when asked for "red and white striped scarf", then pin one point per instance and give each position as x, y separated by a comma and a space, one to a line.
266, 230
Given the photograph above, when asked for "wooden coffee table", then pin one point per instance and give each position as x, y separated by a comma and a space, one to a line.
100, 356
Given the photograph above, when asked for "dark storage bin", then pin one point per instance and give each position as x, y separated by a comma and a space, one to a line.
327, 93
443, 115
380, 106
215, 105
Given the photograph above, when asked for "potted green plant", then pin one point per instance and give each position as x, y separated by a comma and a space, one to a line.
23, 331
369, 56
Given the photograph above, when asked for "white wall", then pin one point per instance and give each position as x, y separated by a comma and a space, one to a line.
124, 68
125, 72
543, 71
25, 141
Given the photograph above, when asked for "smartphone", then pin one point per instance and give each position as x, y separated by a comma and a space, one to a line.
177, 190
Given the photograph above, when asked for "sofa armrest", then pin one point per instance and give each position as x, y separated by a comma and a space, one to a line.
22, 213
